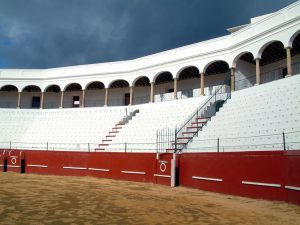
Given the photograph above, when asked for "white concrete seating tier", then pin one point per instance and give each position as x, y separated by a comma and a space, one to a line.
140, 133
271, 108
66, 129
245, 122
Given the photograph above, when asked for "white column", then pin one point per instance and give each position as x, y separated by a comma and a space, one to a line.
42, 101
82, 98
289, 62
232, 78
19, 100
106, 97
152, 92
175, 88
202, 84
61, 99
257, 65
131, 96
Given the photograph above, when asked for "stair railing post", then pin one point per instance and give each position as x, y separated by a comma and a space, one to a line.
215, 96
283, 137
166, 139
197, 122
125, 146
218, 144
175, 139
157, 141
89, 147
170, 138
47, 146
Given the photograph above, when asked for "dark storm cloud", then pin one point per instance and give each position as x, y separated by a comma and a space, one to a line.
53, 33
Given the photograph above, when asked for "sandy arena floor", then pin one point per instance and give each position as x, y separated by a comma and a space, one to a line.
37, 199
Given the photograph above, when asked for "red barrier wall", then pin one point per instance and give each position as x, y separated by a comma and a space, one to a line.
12, 160
273, 175
268, 175
141, 167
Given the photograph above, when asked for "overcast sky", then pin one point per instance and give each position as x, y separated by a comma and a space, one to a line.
55, 33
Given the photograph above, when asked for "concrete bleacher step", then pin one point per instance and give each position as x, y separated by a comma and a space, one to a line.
189, 132
170, 150
201, 122
179, 143
113, 132
110, 136
194, 127
101, 145
183, 138
202, 118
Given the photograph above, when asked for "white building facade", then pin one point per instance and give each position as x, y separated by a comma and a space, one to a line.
267, 49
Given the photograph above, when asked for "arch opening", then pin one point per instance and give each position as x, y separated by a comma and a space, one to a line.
295, 53
8, 96
141, 90
31, 97
245, 71
94, 94
217, 67
142, 82
164, 87
273, 63
9, 88
52, 96
119, 84
272, 53
119, 94
96, 85
73, 96
53, 88
31, 88
217, 73
73, 87
163, 77
189, 73
188, 82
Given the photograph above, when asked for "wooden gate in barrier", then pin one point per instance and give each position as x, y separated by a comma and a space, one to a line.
14, 161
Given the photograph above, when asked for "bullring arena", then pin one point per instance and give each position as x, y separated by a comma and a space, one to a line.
220, 116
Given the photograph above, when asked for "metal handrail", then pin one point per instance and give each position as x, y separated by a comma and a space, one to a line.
197, 131
191, 117
197, 111
226, 81
57, 146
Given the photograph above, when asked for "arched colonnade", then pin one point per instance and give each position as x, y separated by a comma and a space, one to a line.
273, 61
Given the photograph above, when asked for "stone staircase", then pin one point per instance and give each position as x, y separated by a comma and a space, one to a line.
189, 132
115, 130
